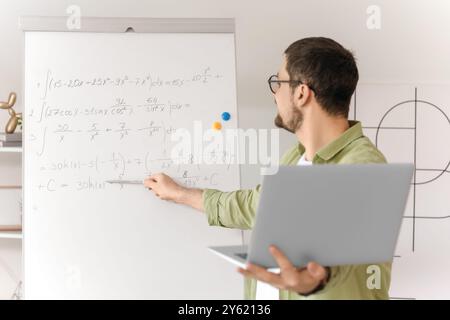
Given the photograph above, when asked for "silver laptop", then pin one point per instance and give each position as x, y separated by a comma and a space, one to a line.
330, 214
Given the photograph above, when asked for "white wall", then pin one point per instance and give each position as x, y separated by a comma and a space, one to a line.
412, 46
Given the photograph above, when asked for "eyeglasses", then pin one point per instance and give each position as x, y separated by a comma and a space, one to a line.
275, 84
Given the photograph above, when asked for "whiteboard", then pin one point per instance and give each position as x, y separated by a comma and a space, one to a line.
411, 123
104, 106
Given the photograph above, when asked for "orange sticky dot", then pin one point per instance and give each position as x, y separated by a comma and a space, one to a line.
217, 125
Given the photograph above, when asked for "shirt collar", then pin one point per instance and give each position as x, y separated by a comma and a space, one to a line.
330, 150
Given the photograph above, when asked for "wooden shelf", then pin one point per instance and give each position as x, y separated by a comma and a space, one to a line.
10, 234
11, 149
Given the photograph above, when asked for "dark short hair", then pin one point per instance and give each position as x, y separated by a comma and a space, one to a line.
327, 68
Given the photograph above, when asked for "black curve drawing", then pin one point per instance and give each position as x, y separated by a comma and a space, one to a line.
415, 183
447, 166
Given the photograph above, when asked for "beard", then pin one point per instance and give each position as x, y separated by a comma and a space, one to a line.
291, 125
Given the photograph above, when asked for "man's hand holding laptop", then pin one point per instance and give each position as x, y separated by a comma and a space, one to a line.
301, 280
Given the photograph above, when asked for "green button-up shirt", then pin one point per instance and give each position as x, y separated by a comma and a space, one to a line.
237, 209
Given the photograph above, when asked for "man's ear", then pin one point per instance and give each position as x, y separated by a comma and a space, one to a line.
302, 94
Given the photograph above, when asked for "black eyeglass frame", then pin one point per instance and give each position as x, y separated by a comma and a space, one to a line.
271, 80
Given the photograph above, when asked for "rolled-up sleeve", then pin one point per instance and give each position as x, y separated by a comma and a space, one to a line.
236, 209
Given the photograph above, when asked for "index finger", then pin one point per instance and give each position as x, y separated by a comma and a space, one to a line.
149, 183
280, 258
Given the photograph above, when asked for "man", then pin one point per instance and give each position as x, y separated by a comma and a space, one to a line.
312, 91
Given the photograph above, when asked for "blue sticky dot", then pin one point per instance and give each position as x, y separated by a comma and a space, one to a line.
226, 116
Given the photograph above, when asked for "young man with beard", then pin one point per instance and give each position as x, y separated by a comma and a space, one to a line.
312, 91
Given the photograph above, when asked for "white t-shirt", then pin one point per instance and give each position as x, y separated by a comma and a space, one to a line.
265, 291
303, 162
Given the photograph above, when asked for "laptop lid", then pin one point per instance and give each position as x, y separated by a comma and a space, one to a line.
331, 214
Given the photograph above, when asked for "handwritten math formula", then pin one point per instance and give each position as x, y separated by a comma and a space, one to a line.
114, 127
